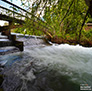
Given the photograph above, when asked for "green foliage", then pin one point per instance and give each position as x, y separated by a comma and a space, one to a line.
60, 18
89, 20
54, 13
87, 34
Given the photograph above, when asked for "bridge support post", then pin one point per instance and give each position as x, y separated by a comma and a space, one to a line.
16, 43
7, 32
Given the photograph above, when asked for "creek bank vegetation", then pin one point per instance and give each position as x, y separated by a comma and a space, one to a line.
60, 21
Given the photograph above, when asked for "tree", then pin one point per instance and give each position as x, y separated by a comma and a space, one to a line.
57, 17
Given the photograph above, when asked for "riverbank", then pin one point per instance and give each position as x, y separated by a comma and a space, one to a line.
35, 41
83, 42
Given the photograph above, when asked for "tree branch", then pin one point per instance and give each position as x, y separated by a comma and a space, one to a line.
83, 24
66, 12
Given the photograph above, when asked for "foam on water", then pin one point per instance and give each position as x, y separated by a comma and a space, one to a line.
44, 68
67, 59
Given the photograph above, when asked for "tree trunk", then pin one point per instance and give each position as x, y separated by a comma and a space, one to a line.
89, 3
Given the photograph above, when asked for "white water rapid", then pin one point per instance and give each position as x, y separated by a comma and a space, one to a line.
48, 68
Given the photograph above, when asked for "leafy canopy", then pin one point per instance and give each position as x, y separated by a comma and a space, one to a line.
55, 17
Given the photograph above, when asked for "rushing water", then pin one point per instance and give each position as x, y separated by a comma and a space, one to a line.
47, 68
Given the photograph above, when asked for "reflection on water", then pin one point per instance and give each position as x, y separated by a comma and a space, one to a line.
48, 68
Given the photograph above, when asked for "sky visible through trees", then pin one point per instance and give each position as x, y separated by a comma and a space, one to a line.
55, 18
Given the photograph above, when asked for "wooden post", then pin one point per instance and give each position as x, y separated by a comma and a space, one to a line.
19, 44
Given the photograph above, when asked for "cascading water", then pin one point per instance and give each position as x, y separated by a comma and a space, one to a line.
47, 68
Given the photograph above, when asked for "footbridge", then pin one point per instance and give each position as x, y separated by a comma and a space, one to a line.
16, 16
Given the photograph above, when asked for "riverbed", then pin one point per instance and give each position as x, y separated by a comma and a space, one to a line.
43, 67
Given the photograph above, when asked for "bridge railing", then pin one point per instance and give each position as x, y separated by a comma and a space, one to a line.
14, 11
10, 13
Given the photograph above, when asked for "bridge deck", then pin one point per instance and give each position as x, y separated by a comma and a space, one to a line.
13, 17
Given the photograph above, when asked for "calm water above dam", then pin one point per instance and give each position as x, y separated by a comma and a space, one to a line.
47, 68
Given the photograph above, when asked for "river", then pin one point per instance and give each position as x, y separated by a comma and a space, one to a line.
42, 67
